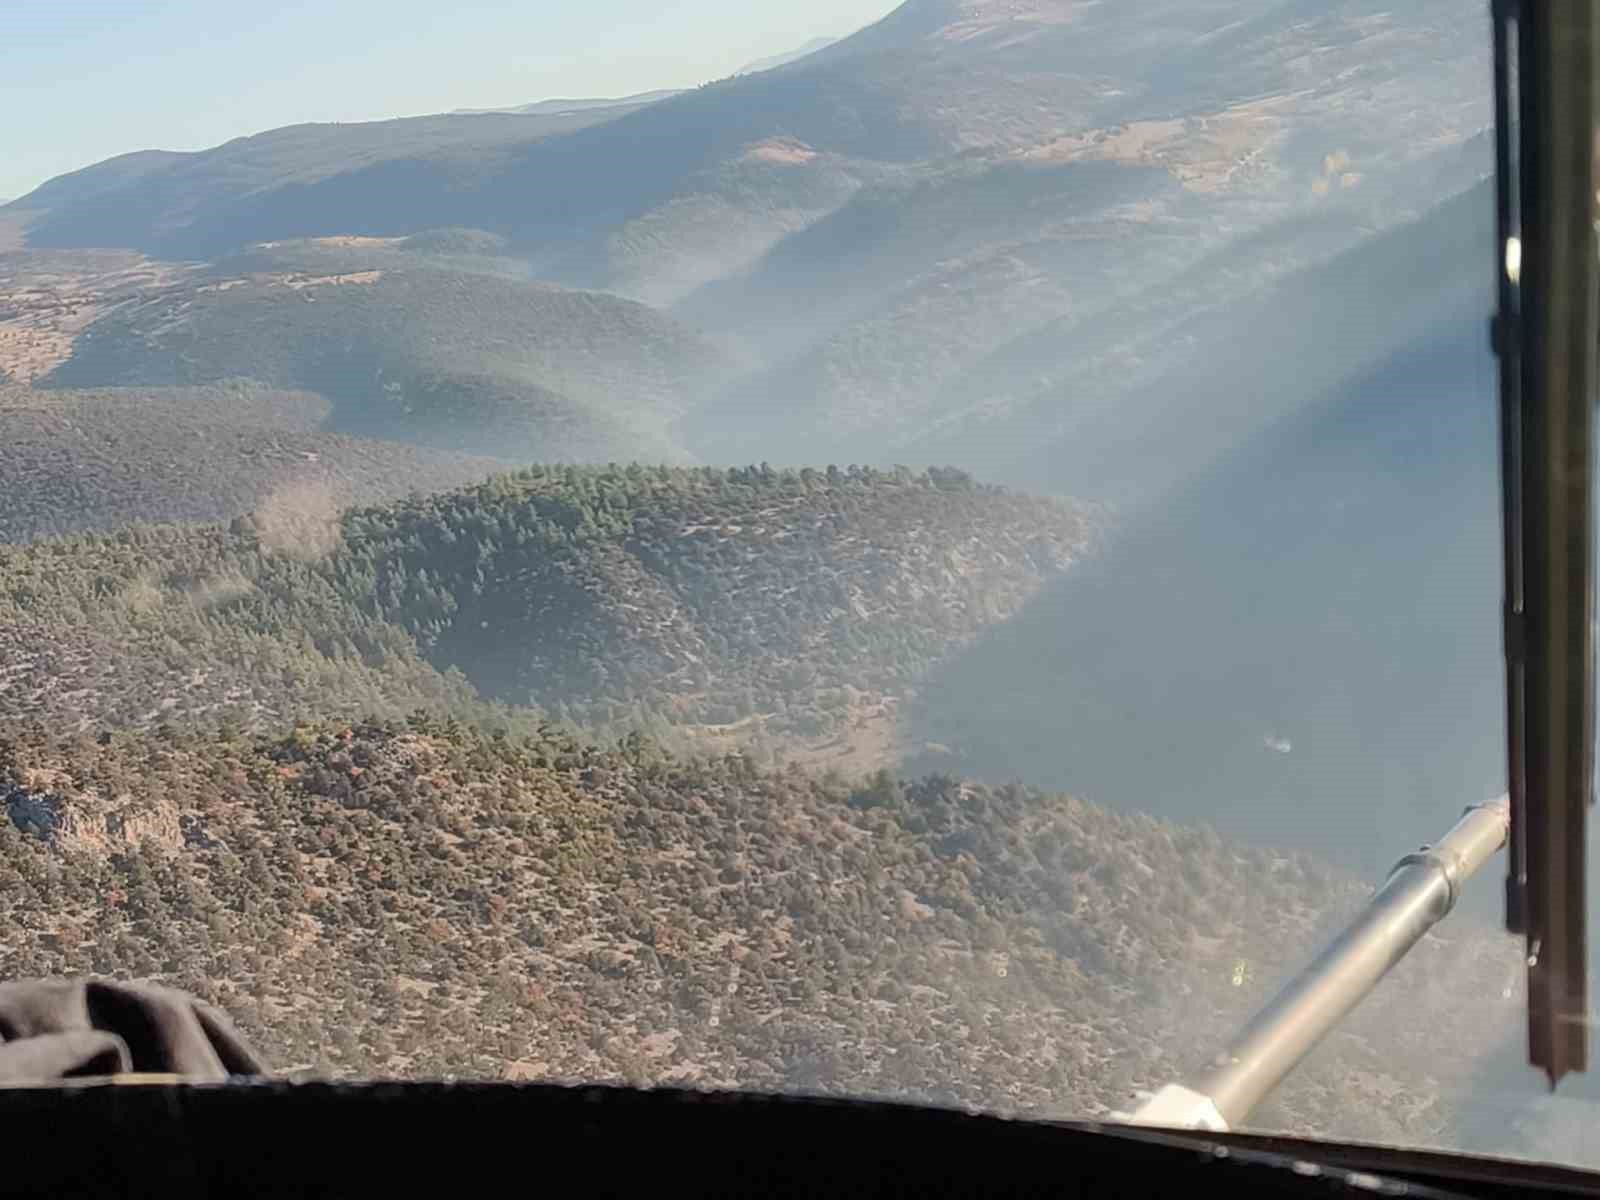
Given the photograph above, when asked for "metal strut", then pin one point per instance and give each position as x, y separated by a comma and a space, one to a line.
1420, 891
1544, 333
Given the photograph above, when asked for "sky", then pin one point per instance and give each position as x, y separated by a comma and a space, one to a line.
83, 80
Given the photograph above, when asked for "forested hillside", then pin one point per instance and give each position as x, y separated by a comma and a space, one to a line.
705, 596
75, 461
417, 899
775, 603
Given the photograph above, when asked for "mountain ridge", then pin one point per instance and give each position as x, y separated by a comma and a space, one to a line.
563, 107
804, 50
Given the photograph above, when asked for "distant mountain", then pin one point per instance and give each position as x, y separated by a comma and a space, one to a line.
780, 60
567, 107
972, 230
934, 78
560, 107
319, 178
407, 349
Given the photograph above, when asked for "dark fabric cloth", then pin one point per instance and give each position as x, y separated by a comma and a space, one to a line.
53, 1029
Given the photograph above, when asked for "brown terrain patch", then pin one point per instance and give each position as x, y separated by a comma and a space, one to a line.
47, 300
789, 152
865, 740
869, 742
985, 16
304, 281
1204, 154
337, 241
352, 240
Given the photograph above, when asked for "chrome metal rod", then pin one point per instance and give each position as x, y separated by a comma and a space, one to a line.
1420, 890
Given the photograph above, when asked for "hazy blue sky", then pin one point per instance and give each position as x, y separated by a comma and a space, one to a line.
85, 79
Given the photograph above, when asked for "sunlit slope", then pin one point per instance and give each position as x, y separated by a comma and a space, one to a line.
747, 605
84, 460
419, 900
1302, 645
461, 360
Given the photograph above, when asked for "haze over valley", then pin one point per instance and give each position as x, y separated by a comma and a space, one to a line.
924, 567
